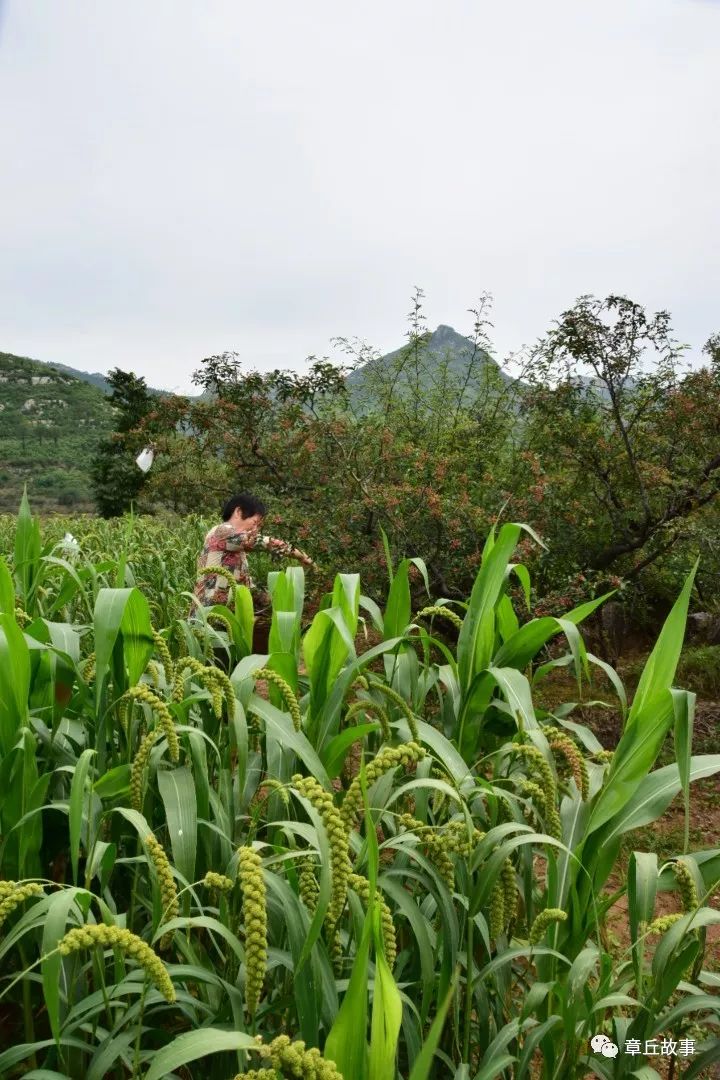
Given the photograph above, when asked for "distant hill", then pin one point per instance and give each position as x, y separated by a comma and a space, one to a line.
95, 378
51, 421
445, 360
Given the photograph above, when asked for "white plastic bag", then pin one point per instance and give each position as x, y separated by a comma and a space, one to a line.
145, 459
69, 544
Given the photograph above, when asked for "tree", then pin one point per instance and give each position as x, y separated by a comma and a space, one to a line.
116, 479
627, 443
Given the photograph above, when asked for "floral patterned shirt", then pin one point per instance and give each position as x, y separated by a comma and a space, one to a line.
226, 548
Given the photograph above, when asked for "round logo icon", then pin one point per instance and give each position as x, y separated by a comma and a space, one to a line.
602, 1045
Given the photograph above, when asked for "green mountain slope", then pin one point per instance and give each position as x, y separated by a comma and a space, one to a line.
50, 424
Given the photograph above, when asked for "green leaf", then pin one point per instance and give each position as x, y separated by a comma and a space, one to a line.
326, 646
642, 890
655, 793
633, 759
659, 671
280, 724
682, 737
386, 1012
196, 1044
77, 806
27, 553
701, 1064
113, 782
14, 681
495, 1068
7, 589
177, 791
477, 635
398, 609
346, 1043
54, 928
516, 690
388, 556
346, 596
121, 617
335, 751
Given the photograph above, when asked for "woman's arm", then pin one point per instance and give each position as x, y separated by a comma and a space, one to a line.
283, 549
237, 541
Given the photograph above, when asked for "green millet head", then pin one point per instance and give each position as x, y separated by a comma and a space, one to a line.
436, 845
441, 859
162, 715
663, 924
540, 769
293, 1059
411, 824
321, 800
361, 886
153, 671
456, 839
6, 887
562, 745
496, 910
186, 666
218, 618
286, 692
137, 771
166, 883
440, 609
133, 947
510, 894
17, 895
308, 887
217, 881
252, 884
389, 758
270, 786
399, 700
217, 680
162, 650
686, 885
364, 705
532, 791
544, 920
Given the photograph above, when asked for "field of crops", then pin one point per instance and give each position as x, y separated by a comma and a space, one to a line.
363, 853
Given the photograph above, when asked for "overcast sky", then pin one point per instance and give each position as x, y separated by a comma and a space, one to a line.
183, 177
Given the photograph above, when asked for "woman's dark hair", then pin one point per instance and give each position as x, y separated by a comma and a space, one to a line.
249, 504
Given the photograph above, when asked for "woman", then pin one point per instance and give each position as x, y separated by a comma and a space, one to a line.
226, 546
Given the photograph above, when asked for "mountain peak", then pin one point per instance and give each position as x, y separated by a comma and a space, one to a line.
445, 335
